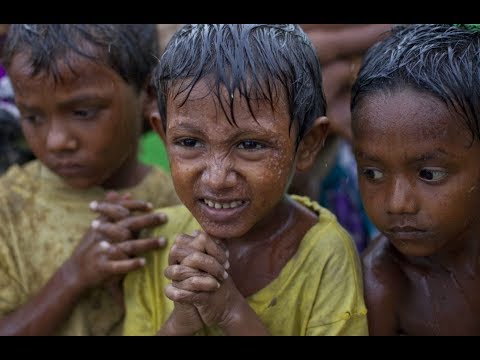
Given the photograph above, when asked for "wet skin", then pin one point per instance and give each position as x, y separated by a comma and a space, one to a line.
233, 179
84, 128
419, 179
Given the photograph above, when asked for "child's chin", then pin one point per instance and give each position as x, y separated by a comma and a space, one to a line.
223, 231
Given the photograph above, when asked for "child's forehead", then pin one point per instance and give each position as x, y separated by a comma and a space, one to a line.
86, 54
244, 97
204, 108
410, 114
207, 105
71, 68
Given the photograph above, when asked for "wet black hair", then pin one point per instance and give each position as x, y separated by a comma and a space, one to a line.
440, 59
131, 50
260, 61
13, 148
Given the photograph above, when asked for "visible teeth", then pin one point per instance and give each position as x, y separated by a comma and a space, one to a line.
229, 205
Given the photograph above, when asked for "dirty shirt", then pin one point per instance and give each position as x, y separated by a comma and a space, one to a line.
318, 292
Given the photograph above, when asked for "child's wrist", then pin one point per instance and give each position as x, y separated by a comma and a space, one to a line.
240, 319
71, 278
174, 327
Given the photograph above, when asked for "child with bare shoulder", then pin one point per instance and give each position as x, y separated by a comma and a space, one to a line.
416, 129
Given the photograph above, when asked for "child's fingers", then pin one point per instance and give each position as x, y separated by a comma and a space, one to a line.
124, 266
186, 278
182, 296
219, 252
139, 246
114, 261
111, 211
180, 272
136, 205
113, 232
112, 196
206, 263
139, 222
184, 246
186, 240
198, 283
126, 201
204, 243
178, 253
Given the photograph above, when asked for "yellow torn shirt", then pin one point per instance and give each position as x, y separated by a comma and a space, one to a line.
318, 292
42, 220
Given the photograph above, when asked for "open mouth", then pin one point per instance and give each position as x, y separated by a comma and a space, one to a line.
224, 204
222, 211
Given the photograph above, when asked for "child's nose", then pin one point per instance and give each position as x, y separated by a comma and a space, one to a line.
219, 174
401, 197
59, 138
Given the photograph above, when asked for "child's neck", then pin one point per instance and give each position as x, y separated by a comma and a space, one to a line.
130, 174
258, 257
463, 256
272, 227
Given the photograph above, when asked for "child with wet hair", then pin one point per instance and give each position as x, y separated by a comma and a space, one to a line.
241, 109
416, 129
13, 149
82, 93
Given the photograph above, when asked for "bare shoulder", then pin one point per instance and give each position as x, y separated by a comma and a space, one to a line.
384, 285
381, 259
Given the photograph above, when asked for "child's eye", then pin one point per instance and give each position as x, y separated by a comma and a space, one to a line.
32, 119
83, 113
188, 142
432, 175
250, 145
372, 173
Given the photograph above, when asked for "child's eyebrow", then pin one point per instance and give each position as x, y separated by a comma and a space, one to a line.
436, 154
239, 133
187, 127
81, 99
362, 155
29, 108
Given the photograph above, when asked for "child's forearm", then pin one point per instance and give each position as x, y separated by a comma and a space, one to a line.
43, 314
243, 321
172, 329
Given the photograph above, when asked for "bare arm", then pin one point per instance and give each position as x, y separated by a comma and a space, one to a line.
47, 309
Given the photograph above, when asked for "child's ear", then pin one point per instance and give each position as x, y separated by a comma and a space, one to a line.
312, 143
150, 102
156, 123
150, 111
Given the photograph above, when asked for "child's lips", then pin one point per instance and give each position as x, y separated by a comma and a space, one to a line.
404, 229
406, 233
224, 203
68, 169
225, 210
